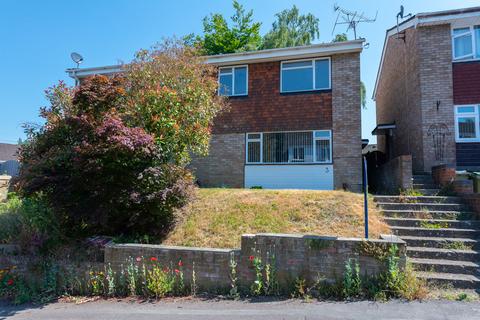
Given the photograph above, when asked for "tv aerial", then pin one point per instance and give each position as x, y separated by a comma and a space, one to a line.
351, 18
400, 16
77, 58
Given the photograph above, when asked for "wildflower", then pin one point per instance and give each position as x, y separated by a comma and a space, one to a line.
177, 271
139, 259
153, 259
10, 282
166, 270
180, 263
251, 258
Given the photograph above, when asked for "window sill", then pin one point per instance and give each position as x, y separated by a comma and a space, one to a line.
288, 93
468, 141
466, 60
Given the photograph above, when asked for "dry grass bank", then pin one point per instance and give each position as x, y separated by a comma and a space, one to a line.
218, 217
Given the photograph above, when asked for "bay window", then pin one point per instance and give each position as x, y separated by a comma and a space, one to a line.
305, 75
466, 43
233, 81
467, 123
289, 147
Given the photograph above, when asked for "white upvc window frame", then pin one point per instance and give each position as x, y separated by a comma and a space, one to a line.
329, 59
471, 32
247, 140
314, 139
475, 115
233, 80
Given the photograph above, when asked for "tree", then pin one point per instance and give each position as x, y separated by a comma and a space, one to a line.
363, 91
219, 37
291, 29
110, 157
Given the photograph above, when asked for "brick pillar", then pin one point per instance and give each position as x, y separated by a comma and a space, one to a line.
346, 116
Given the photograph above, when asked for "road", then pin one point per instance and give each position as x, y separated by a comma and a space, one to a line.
213, 310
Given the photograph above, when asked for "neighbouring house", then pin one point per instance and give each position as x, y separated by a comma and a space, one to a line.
428, 90
9, 164
294, 119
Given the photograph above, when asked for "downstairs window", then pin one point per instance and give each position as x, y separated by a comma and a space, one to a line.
289, 147
467, 123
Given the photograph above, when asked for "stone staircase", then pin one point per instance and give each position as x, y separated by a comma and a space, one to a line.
441, 239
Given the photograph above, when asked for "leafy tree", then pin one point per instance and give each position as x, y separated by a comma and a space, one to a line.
219, 37
363, 91
109, 158
291, 29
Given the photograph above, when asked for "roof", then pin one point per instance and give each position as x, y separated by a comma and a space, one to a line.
8, 151
424, 19
383, 129
278, 54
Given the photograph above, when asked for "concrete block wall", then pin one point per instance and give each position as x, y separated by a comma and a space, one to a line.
307, 257
393, 176
346, 125
224, 165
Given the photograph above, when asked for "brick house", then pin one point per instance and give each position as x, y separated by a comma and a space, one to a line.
294, 119
428, 90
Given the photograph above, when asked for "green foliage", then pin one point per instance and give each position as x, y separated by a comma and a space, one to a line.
159, 282
351, 279
300, 289
340, 37
110, 158
257, 286
219, 37
291, 29
233, 293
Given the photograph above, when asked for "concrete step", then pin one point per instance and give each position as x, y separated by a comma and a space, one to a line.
459, 281
433, 223
428, 192
425, 214
438, 242
439, 253
439, 232
418, 199
422, 206
444, 266
424, 185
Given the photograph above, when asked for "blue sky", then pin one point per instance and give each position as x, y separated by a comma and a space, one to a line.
37, 38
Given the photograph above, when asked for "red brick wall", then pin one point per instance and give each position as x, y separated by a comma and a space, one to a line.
466, 82
266, 109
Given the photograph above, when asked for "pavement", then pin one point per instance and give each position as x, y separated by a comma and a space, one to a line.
264, 310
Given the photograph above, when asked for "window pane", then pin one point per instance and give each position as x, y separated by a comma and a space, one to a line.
322, 134
287, 147
254, 151
297, 79
240, 81
322, 74
469, 109
466, 128
463, 46
460, 31
254, 136
297, 64
225, 85
322, 150
477, 40
225, 70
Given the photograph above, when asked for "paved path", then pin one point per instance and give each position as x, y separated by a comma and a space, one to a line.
278, 310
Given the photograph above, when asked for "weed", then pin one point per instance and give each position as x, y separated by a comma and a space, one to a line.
433, 225
351, 279
233, 293
456, 245
194, 286
257, 286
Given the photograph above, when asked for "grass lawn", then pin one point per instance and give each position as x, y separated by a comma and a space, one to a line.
218, 217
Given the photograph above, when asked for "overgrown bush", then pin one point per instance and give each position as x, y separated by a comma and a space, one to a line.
110, 157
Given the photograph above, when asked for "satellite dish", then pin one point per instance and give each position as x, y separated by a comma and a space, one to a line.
77, 58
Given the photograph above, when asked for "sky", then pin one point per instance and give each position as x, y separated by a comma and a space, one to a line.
37, 37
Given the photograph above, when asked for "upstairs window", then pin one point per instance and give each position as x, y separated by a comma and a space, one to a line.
466, 43
305, 75
467, 123
233, 81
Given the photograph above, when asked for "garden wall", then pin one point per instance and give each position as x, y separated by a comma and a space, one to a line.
393, 176
307, 257
4, 185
